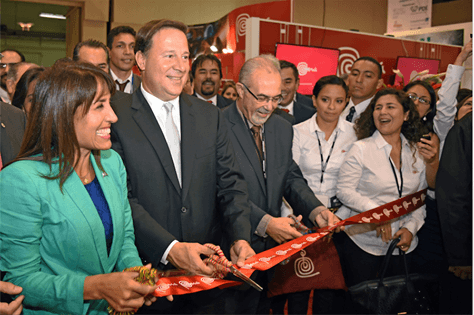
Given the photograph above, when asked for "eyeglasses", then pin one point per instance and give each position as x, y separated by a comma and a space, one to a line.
264, 98
417, 98
4, 65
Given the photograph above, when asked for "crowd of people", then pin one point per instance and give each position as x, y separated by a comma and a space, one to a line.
126, 155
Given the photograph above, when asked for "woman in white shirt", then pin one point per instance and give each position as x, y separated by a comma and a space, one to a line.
384, 165
319, 147
321, 143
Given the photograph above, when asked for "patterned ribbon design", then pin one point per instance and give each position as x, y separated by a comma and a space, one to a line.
269, 258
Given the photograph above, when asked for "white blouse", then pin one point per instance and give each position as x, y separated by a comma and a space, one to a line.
366, 181
307, 154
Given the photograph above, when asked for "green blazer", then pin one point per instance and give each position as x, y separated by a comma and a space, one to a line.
50, 241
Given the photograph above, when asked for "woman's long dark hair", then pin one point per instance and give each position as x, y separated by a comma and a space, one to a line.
22, 86
427, 121
411, 129
59, 92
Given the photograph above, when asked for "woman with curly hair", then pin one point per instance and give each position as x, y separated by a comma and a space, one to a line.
384, 165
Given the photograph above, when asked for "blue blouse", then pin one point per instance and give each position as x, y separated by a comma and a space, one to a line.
98, 198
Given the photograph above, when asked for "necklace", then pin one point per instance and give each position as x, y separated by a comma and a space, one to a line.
84, 178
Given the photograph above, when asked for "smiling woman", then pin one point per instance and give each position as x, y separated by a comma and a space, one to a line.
379, 168
66, 220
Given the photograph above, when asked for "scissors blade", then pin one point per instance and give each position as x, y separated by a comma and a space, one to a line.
243, 277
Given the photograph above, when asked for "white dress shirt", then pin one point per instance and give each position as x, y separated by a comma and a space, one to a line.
366, 181
212, 99
307, 154
160, 114
360, 108
129, 87
289, 107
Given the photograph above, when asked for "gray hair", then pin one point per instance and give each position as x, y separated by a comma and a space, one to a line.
266, 62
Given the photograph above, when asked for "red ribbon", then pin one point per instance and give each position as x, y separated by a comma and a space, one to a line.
269, 258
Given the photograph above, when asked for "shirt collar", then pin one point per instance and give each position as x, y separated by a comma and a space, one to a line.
130, 77
380, 141
361, 106
213, 99
289, 107
341, 124
156, 102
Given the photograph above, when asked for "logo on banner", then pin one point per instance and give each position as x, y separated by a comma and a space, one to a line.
241, 24
304, 266
207, 280
346, 59
303, 68
187, 284
165, 286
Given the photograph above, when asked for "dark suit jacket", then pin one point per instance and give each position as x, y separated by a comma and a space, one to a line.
302, 112
222, 102
454, 193
214, 196
305, 100
137, 80
12, 128
284, 177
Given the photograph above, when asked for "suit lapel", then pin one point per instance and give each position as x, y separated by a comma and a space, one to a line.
79, 195
189, 142
109, 188
146, 120
245, 140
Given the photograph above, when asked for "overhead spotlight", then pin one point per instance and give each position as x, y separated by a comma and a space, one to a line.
227, 51
214, 48
52, 16
25, 26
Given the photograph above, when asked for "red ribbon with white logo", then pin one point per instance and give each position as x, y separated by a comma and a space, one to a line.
269, 258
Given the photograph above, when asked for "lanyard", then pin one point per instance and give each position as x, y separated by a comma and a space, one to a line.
399, 188
324, 165
263, 158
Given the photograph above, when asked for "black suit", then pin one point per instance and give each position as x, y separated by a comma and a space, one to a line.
213, 196
454, 197
283, 179
222, 102
11, 131
305, 100
302, 112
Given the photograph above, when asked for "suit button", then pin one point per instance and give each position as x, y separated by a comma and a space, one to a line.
183, 209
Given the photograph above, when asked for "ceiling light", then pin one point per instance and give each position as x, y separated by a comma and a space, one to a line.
214, 48
52, 16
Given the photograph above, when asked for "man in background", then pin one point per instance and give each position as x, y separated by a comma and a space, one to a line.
364, 79
8, 58
92, 51
207, 74
121, 44
290, 82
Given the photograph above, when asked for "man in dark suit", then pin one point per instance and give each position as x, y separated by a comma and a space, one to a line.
185, 187
92, 51
121, 43
290, 82
12, 128
262, 143
207, 74
454, 197
303, 99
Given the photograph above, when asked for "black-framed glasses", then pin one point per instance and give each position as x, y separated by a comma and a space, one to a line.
417, 98
264, 98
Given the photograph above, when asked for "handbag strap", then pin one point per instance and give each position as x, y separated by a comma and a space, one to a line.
387, 257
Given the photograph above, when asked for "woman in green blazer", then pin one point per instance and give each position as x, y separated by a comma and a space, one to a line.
66, 222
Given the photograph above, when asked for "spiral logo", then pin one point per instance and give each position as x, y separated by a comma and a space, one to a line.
241, 24
304, 267
346, 59
186, 284
302, 68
